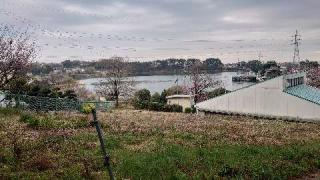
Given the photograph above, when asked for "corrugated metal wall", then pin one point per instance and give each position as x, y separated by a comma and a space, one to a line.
264, 99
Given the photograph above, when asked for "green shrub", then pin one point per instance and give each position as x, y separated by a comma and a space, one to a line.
142, 99
156, 97
49, 122
167, 108
188, 110
173, 108
25, 118
193, 109
87, 108
163, 97
141, 105
34, 122
155, 106
177, 108
30, 120
9, 111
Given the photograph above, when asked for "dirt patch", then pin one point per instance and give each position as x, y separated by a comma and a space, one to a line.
312, 176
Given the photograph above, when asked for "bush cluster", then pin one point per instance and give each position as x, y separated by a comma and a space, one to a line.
156, 102
188, 110
50, 122
30, 120
87, 108
155, 106
173, 108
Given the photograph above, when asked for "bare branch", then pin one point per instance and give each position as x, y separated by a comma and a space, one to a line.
200, 82
16, 54
117, 84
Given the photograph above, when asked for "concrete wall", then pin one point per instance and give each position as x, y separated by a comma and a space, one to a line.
184, 102
264, 99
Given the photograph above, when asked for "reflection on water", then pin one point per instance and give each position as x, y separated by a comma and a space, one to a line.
160, 82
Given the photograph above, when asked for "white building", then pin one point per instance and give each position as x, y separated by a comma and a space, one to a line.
286, 97
186, 101
2, 96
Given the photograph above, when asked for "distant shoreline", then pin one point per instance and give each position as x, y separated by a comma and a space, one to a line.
157, 83
91, 76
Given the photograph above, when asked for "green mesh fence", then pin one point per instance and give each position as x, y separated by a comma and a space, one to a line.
36, 103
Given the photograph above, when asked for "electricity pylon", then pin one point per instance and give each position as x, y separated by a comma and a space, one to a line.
296, 42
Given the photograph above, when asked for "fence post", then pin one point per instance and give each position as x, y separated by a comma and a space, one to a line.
103, 149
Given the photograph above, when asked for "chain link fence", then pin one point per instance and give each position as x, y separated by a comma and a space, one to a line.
36, 103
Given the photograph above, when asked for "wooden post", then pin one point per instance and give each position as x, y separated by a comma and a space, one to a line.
102, 145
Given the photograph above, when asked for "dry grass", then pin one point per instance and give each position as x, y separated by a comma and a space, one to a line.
150, 145
234, 129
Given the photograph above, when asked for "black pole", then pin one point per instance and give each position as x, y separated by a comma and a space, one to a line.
103, 149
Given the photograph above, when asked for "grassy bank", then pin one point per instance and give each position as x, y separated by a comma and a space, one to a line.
150, 145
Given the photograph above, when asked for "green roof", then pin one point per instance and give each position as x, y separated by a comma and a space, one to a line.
305, 92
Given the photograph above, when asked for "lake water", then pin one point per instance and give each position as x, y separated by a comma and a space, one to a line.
160, 82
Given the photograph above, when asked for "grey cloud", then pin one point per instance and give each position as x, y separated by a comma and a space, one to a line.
194, 26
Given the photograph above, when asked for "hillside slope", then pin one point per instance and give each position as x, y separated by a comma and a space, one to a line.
152, 145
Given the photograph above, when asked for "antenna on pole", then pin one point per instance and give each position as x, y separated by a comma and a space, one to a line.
296, 42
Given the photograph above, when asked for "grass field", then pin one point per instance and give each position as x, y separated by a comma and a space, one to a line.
153, 145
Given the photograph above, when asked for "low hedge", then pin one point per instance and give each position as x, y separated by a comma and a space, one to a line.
154, 106
188, 110
173, 108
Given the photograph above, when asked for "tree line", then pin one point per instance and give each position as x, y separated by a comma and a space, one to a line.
158, 67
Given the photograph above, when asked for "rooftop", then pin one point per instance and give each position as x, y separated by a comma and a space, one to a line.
178, 96
305, 92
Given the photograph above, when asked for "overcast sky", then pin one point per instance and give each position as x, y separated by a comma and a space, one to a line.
157, 29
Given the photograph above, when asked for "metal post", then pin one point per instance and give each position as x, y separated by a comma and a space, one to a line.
100, 136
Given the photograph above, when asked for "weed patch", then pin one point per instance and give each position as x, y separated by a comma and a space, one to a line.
52, 122
149, 145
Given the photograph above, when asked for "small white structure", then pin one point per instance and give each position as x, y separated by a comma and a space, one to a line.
286, 97
186, 101
2, 96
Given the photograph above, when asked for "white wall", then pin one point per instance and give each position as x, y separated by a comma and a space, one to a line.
184, 102
2, 103
264, 99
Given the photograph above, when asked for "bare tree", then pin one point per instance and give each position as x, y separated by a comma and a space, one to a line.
200, 82
62, 81
117, 84
16, 54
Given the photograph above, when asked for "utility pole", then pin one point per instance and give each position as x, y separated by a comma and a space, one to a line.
260, 56
296, 42
238, 67
177, 81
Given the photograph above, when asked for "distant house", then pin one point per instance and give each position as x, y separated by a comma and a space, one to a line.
186, 101
286, 97
57, 70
